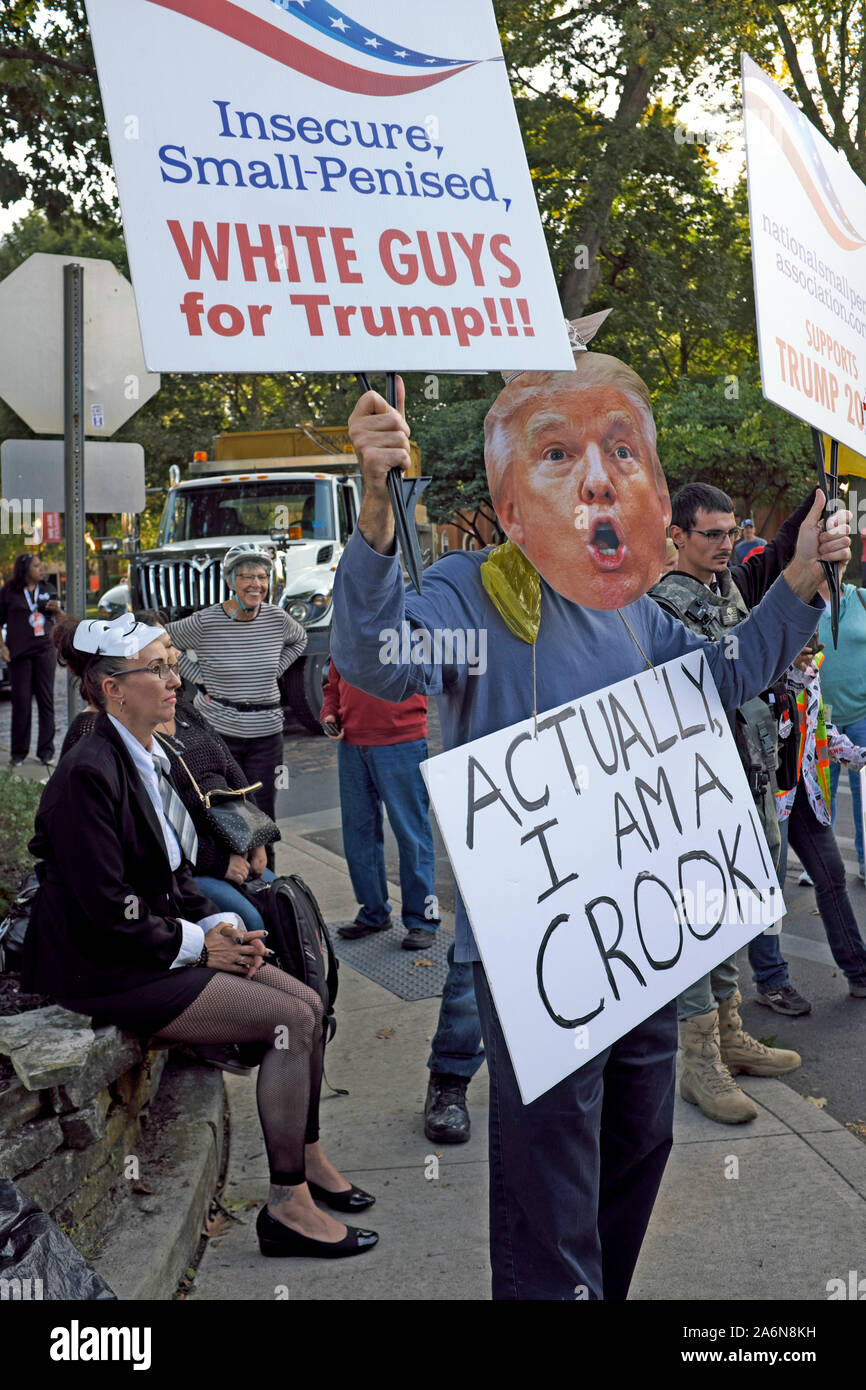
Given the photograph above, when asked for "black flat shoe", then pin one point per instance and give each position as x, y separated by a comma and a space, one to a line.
277, 1239
354, 1199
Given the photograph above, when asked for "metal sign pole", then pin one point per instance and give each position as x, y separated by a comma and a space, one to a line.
73, 432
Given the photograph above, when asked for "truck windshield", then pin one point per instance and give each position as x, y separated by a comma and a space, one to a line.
300, 507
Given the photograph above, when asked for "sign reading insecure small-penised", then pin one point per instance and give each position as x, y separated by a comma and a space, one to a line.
607, 861
324, 187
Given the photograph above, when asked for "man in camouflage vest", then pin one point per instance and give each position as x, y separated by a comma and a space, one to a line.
703, 594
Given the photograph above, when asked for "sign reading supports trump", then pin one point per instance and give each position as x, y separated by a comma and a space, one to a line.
807, 209
606, 862
311, 187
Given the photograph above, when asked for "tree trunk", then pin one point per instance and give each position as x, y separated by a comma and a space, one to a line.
583, 275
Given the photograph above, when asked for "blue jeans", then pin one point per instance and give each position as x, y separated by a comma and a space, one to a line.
574, 1174
815, 845
388, 775
231, 899
857, 734
456, 1047
769, 967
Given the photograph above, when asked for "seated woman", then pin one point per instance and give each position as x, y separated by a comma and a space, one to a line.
188, 739
119, 930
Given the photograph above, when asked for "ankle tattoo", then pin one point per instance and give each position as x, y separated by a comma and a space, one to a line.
280, 1194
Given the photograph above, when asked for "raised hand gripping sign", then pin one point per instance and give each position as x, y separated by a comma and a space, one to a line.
308, 186
606, 863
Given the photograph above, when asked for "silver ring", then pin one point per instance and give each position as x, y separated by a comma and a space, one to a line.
239, 941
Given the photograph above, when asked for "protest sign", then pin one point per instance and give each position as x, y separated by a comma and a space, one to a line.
310, 188
606, 863
808, 221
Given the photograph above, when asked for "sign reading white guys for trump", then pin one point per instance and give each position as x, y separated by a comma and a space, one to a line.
807, 210
318, 188
606, 863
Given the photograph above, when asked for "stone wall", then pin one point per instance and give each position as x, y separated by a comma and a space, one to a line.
71, 1108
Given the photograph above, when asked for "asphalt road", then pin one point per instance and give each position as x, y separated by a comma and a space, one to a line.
831, 1040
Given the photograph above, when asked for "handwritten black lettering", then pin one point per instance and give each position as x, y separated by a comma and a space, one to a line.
619, 718
671, 738
474, 806
609, 768
693, 728
610, 953
527, 805
539, 972
644, 789
701, 788
712, 724
625, 826
646, 877
540, 833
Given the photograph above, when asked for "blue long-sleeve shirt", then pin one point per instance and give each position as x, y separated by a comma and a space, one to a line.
579, 650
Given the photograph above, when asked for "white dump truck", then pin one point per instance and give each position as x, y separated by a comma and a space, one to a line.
294, 491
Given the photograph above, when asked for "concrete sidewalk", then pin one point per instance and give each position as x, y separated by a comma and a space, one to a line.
768, 1211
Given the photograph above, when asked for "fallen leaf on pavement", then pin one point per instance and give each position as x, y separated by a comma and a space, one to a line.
820, 1101
241, 1204
142, 1189
422, 962
216, 1225
385, 1032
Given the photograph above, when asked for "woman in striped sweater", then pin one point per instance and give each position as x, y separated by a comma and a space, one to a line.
241, 647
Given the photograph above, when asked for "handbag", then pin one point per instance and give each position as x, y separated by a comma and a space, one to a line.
239, 824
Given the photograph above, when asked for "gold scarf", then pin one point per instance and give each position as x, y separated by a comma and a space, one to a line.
514, 588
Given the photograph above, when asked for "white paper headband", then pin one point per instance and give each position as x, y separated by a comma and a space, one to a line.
123, 636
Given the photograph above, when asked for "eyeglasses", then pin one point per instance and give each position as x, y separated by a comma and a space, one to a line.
162, 669
716, 536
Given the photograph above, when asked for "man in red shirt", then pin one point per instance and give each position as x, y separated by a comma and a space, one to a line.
381, 746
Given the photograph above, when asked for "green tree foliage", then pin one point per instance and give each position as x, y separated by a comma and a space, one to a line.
452, 443
725, 433
634, 216
49, 99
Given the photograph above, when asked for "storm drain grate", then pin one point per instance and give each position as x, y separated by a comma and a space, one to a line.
381, 958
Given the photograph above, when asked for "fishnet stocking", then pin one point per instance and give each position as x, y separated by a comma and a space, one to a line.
275, 1009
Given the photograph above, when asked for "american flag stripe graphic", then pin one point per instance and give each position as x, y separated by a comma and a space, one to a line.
276, 43
796, 140
340, 26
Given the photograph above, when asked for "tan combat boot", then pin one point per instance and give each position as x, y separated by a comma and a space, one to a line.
705, 1081
742, 1053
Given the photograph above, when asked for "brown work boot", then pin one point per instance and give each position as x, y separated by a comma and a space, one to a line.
705, 1081
742, 1053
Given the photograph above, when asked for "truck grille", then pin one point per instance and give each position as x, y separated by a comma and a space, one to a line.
176, 587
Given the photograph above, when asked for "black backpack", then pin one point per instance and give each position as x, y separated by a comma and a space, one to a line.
298, 935
13, 928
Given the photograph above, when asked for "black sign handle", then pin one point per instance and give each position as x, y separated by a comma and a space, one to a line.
829, 484
402, 491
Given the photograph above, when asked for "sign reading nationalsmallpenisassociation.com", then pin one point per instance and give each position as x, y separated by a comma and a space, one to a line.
319, 188
808, 219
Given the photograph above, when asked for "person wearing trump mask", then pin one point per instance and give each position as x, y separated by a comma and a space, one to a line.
573, 470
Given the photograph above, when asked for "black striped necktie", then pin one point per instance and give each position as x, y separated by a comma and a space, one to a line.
177, 815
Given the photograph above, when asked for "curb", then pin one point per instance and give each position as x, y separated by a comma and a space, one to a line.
180, 1153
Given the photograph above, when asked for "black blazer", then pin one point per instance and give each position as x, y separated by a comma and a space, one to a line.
105, 918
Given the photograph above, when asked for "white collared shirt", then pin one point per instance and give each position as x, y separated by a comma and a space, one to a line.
193, 933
